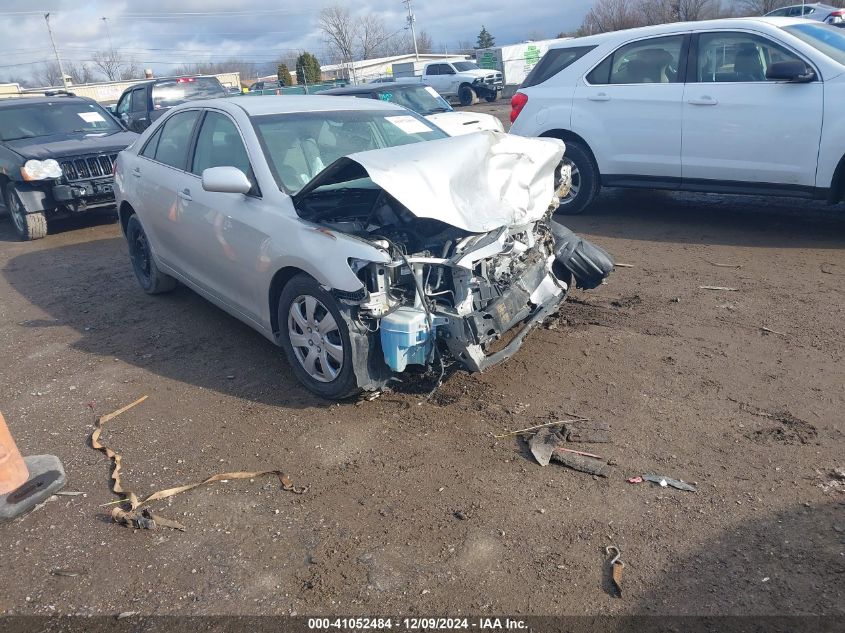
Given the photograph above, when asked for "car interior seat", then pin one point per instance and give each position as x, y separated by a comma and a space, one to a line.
748, 66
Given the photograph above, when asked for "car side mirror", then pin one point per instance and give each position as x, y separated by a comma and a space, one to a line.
451, 71
793, 72
225, 180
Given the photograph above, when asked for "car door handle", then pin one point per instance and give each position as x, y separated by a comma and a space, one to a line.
185, 194
601, 96
705, 100
136, 172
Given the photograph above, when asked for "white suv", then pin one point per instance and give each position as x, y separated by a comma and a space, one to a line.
744, 105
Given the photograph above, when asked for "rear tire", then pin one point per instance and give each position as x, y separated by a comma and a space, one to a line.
316, 339
466, 96
585, 179
150, 278
29, 226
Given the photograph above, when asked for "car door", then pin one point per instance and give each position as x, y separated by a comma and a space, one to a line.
628, 110
233, 250
740, 127
139, 116
160, 171
123, 107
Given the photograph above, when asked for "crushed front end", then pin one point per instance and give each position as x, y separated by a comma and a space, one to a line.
471, 267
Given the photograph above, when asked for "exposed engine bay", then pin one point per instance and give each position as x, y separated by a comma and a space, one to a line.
448, 293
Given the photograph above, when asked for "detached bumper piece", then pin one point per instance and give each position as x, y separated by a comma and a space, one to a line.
588, 263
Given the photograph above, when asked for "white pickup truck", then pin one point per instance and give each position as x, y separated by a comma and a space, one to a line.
461, 80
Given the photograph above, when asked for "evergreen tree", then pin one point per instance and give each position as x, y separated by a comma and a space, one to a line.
307, 69
283, 74
485, 40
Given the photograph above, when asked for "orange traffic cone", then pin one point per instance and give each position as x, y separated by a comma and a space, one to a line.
25, 481
13, 470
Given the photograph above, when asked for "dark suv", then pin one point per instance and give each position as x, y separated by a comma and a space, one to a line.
56, 158
143, 103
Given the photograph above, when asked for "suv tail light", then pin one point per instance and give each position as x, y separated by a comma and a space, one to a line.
836, 17
518, 102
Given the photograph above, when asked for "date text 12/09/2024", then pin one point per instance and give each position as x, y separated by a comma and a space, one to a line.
416, 624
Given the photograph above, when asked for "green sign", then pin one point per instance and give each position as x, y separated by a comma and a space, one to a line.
531, 57
488, 60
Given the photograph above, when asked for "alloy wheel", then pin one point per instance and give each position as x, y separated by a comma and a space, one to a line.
315, 338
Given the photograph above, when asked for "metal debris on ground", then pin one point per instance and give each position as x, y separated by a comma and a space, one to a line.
616, 566
720, 265
718, 288
662, 481
545, 446
621, 265
133, 515
770, 331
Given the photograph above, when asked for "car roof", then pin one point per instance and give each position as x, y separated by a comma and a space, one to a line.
678, 27
365, 88
51, 99
286, 104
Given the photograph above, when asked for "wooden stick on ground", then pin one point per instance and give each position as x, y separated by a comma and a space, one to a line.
539, 426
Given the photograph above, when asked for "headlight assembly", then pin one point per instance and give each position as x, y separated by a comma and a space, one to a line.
41, 170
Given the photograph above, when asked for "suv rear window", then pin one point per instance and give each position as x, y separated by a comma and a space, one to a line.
171, 92
555, 60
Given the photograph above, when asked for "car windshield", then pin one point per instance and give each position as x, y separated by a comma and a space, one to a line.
464, 66
300, 145
421, 99
171, 92
828, 39
46, 118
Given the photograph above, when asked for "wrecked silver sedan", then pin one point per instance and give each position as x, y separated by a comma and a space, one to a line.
353, 233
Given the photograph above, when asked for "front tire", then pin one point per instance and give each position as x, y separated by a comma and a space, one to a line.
315, 337
150, 278
29, 226
491, 97
585, 179
466, 96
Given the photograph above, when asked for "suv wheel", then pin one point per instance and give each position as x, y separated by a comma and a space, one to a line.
490, 97
466, 95
30, 226
151, 279
585, 179
316, 340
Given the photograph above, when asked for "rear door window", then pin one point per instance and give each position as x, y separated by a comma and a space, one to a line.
655, 60
139, 100
555, 60
175, 139
170, 92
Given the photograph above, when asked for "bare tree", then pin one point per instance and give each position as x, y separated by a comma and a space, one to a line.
424, 43
612, 15
49, 74
761, 7
340, 30
113, 67
372, 36
692, 10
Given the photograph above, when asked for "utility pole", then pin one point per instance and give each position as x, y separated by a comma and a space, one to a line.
56, 51
411, 19
108, 33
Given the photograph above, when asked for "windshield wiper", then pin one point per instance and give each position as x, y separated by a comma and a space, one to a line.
435, 110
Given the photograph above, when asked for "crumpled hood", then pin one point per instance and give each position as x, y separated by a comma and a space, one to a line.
459, 123
43, 147
477, 182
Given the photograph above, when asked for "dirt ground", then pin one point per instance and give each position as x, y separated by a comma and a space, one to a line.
413, 507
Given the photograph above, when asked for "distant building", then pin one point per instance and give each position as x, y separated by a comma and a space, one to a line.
368, 69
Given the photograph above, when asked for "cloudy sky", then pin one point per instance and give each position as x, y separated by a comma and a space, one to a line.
156, 36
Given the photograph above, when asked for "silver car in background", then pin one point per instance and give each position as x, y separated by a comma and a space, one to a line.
353, 233
811, 11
